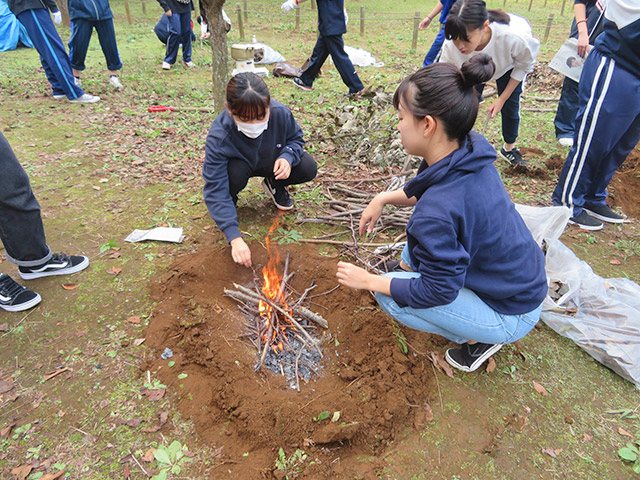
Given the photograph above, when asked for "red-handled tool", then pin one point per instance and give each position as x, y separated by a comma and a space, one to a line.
162, 108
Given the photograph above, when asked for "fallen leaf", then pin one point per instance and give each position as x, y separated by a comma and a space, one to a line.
103, 403
155, 394
134, 422
115, 255
134, 319
127, 472
82, 333
138, 341
308, 442
622, 431
4, 327
95, 187
615, 261
196, 217
114, 270
440, 363
148, 457
163, 419
491, 365
586, 438
540, 389
5, 386
551, 452
429, 412
5, 431
53, 476
69, 286
22, 472
520, 349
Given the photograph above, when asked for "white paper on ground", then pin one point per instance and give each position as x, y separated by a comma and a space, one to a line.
161, 234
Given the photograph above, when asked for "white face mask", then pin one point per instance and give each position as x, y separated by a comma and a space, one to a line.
253, 130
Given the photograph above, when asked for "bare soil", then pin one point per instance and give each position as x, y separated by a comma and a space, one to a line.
379, 391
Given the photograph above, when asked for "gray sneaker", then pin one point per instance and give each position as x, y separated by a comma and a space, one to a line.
86, 98
604, 213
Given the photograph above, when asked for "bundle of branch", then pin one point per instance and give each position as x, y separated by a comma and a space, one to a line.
344, 207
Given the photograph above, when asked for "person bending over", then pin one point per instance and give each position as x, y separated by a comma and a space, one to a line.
471, 270
254, 137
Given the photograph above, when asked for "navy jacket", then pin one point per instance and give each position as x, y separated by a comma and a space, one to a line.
94, 10
282, 138
466, 232
19, 6
331, 17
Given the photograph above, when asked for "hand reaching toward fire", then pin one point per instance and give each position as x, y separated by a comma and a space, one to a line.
240, 252
281, 169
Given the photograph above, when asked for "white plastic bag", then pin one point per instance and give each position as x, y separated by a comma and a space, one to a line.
361, 58
270, 55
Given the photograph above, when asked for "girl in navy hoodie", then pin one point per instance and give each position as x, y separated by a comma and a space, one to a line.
254, 137
471, 271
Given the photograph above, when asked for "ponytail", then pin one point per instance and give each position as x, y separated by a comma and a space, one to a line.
471, 15
447, 93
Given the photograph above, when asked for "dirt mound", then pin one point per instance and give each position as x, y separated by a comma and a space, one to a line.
625, 186
378, 390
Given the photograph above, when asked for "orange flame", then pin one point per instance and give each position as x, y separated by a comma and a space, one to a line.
271, 290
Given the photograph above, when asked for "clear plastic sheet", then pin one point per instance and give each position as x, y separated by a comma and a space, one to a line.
600, 315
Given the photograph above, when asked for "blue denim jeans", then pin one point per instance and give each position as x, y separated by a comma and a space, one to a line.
21, 229
466, 318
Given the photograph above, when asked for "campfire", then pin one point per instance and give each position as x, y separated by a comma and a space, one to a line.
280, 327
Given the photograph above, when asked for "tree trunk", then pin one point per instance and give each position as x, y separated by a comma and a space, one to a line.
219, 55
64, 10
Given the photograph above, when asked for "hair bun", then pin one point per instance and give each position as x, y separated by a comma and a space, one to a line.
478, 69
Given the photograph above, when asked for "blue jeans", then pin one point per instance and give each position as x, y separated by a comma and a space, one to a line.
81, 31
332, 45
21, 229
466, 318
179, 33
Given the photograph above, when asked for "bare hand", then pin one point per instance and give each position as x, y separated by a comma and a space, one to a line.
240, 252
370, 216
583, 44
495, 107
425, 23
168, 13
205, 35
351, 276
282, 169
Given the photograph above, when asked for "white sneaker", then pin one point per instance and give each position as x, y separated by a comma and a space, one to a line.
114, 82
59, 97
566, 141
86, 98
166, 66
189, 64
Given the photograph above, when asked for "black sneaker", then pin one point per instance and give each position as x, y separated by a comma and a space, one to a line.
355, 95
300, 84
58, 264
604, 213
470, 357
513, 156
279, 195
14, 297
586, 221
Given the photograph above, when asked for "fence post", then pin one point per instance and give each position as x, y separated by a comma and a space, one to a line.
126, 8
246, 13
545, 3
530, 2
196, 8
297, 17
504, 3
240, 22
548, 29
313, 4
562, 10
416, 24
144, 8
362, 20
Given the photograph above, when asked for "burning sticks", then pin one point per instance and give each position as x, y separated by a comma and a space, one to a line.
281, 328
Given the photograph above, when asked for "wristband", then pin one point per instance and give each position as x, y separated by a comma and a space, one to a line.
430, 18
580, 21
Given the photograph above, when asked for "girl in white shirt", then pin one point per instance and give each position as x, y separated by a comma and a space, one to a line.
472, 29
